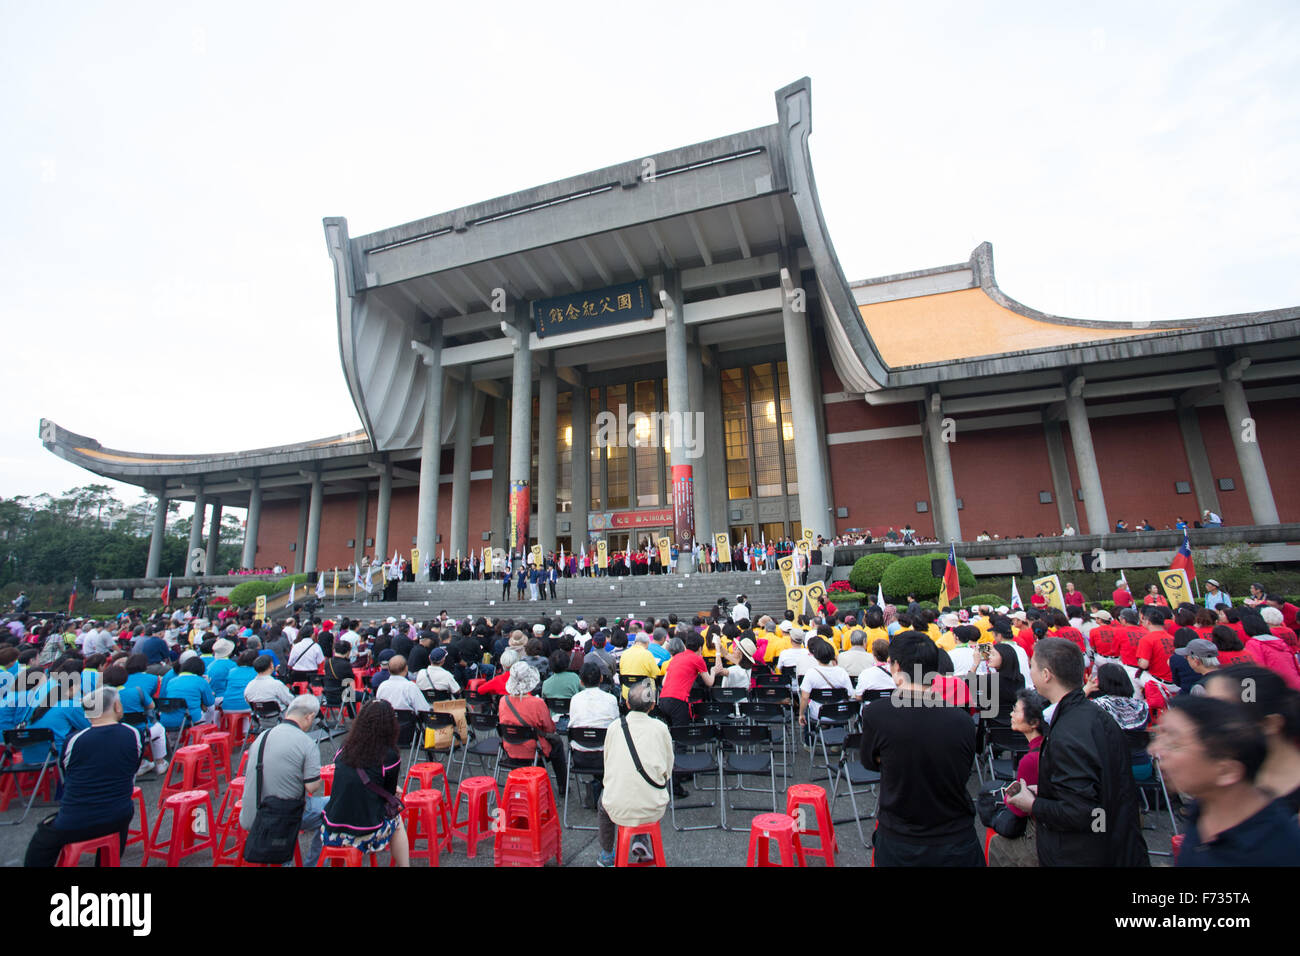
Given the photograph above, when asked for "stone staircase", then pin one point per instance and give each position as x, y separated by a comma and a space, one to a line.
662, 594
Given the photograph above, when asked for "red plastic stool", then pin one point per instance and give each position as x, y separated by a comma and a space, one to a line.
528, 833
195, 733
1176, 845
339, 856
197, 772
811, 795
327, 779
622, 853
427, 819
989, 833
427, 773
141, 835
474, 792
236, 723
183, 840
240, 835
767, 827
218, 741
243, 764
101, 848
227, 823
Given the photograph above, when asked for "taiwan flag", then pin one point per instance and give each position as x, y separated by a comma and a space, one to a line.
72, 598
1183, 558
950, 590
167, 592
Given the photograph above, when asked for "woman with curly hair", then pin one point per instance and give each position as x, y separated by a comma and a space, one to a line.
363, 809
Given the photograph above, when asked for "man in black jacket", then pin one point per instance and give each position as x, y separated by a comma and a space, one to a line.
1086, 807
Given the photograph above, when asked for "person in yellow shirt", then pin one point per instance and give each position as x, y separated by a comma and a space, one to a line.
943, 637
637, 661
873, 623
777, 642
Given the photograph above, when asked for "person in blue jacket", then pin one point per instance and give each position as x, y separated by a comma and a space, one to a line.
239, 677
219, 670
190, 686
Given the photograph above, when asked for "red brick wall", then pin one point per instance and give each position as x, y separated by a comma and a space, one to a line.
998, 473
1140, 457
277, 529
857, 415
1234, 505
880, 483
1274, 422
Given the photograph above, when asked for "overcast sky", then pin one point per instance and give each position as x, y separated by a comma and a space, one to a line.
166, 169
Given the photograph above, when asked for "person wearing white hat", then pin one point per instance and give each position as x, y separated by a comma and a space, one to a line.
521, 708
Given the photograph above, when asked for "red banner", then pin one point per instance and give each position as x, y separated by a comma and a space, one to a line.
640, 519
683, 507
520, 506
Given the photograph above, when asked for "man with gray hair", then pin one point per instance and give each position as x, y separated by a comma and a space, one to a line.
98, 765
284, 762
657, 648
635, 790
856, 659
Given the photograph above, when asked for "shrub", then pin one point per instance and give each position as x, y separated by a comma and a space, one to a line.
911, 575
247, 593
990, 599
846, 597
867, 571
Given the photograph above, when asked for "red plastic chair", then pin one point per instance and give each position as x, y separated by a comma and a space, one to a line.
427, 819
529, 830
184, 840
766, 829
478, 794
197, 771
426, 773
811, 795
141, 835
339, 856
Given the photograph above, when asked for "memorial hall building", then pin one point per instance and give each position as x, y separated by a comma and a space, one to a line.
492, 351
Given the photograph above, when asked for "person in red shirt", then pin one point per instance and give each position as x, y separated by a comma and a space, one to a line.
1073, 598
1122, 596
1061, 628
522, 709
1103, 638
1232, 650
1024, 633
1127, 637
1154, 649
1289, 611
1153, 596
1277, 626
680, 676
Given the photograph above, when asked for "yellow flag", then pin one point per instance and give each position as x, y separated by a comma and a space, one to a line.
336, 582
665, 551
602, 554
537, 555
814, 593
487, 561
1176, 588
786, 565
260, 613
1052, 591
415, 560
723, 544
794, 600
808, 536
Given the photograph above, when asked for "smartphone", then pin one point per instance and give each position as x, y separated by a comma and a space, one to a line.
1011, 790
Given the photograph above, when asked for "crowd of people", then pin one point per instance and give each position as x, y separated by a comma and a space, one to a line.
1212, 693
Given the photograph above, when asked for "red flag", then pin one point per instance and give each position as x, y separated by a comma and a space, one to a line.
951, 583
72, 598
167, 592
1183, 558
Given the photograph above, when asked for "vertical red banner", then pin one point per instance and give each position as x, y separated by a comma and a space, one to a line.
683, 507
520, 507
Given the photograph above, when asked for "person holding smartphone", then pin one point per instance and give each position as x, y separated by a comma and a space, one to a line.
1026, 718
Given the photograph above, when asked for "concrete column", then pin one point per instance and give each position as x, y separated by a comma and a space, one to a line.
250, 527
156, 539
363, 512
581, 457
1198, 462
196, 529
1241, 426
500, 470
426, 515
547, 399
715, 442
814, 506
1062, 486
1085, 458
945, 487
703, 474
214, 536
301, 540
460, 466
313, 522
521, 431
681, 474
382, 509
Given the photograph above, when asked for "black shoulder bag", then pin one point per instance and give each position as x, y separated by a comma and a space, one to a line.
274, 833
636, 759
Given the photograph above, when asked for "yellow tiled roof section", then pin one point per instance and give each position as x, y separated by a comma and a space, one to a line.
133, 459
965, 324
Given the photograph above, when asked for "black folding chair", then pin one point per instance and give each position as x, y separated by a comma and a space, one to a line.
851, 771
435, 720
772, 715
16, 741
695, 752
1003, 740
733, 696
176, 705
590, 763
559, 707
758, 762
266, 714
832, 727
485, 742
516, 735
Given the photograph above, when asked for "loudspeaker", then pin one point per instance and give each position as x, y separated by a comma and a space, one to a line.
937, 566
1089, 559
311, 578
1028, 565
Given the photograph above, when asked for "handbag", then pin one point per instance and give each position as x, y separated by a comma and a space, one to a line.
274, 834
393, 805
994, 813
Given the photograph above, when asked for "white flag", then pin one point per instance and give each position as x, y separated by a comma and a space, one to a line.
370, 570
880, 597
291, 595
1016, 604
320, 585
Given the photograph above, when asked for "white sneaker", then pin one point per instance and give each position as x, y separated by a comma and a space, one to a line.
160, 767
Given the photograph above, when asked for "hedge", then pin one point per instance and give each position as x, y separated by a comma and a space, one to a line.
248, 592
912, 575
866, 572
846, 597
990, 599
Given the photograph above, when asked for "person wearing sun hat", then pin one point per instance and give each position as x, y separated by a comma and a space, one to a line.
522, 708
